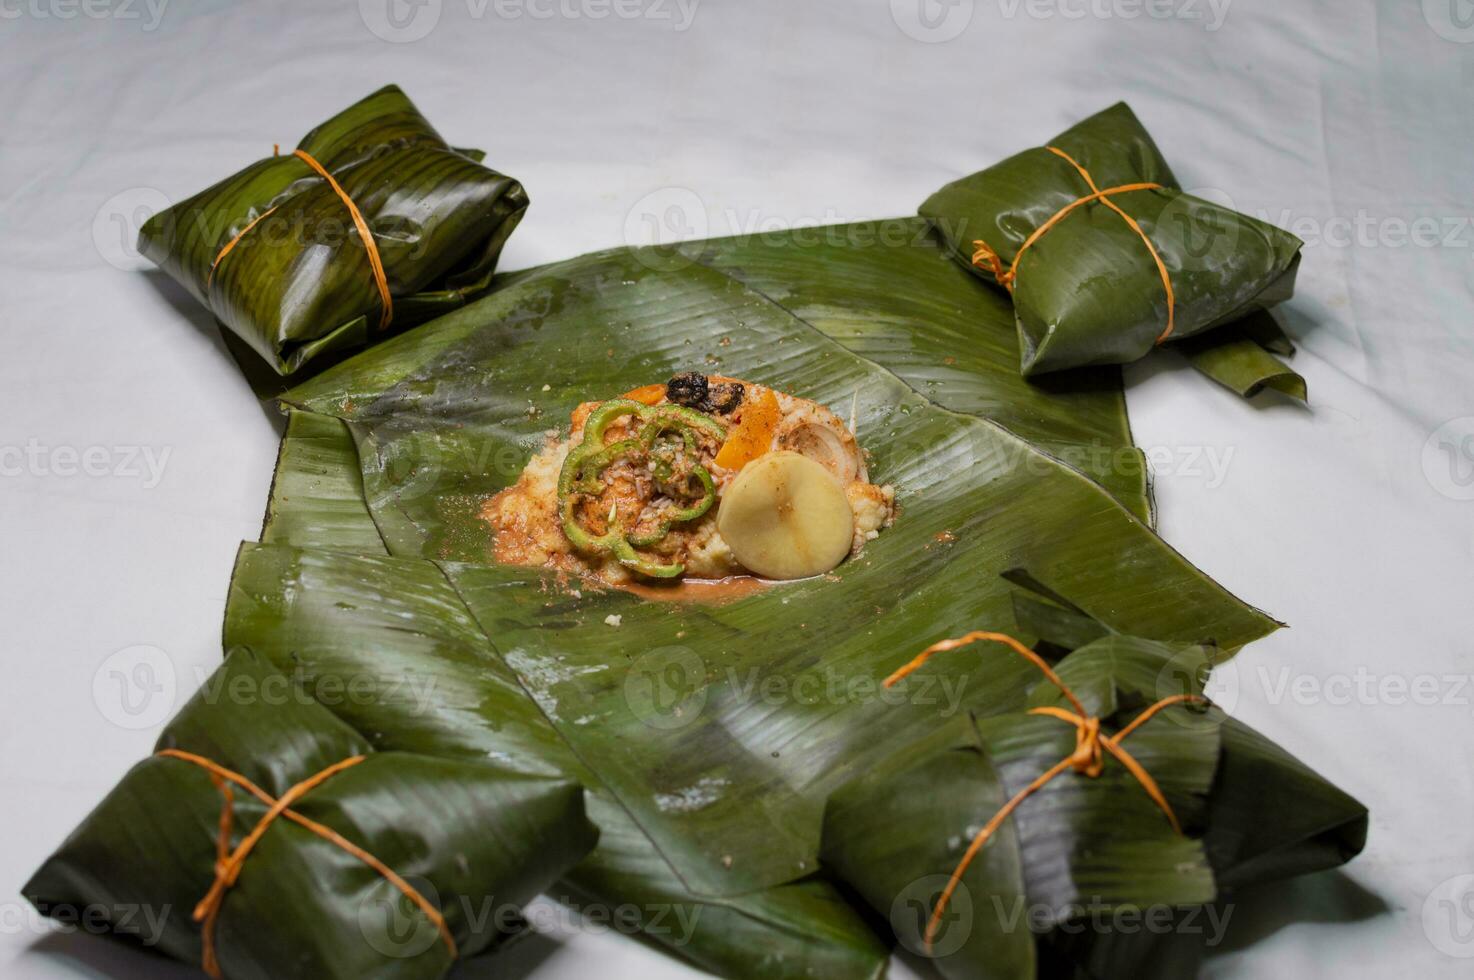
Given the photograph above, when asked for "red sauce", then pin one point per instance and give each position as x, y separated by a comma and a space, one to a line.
710, 591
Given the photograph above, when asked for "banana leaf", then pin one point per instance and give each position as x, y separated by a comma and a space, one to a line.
330, 614
1252, 813
475, 840
1241, 357
1317, 826
1067, 859
798, 930
317, 493
435, 437
297, 282
1270, 817
1089, 290
308, 509
886, 291
709, 796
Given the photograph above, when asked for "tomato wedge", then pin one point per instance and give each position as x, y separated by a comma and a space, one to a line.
753, 434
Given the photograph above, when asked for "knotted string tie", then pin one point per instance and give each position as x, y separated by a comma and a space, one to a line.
1088, 758
229, 862
376, 263
985, 257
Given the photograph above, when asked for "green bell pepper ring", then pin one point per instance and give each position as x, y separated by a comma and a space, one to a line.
586, 462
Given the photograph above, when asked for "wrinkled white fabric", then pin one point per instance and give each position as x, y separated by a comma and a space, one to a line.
135, 458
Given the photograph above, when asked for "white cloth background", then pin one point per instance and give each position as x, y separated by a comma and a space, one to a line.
1347, 122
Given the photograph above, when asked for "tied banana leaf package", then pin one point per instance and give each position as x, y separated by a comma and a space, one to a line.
1096, 834
1106, 258
374, 222
267, 839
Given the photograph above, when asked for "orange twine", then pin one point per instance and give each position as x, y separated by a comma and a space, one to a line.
376, 263
232, 244
228, 863
1088, 758
984, 257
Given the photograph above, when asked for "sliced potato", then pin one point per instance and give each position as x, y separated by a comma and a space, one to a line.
786, 517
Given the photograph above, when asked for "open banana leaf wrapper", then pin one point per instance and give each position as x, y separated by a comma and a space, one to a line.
276, 253
1086, 876
1065, 227
473, 840
710, 735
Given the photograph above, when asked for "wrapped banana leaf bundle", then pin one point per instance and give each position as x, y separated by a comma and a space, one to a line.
1097, 834
268, 839
1105, 258
373, 223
